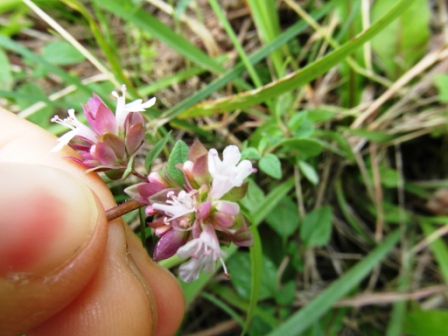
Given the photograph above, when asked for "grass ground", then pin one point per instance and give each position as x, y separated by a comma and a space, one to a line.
342, 106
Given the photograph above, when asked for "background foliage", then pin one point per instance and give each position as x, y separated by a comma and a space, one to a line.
340, 104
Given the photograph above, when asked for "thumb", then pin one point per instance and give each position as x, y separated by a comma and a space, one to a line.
52, 236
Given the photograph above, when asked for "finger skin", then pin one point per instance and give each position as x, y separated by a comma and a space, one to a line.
169, 299
118, 307
118, 293
27, 300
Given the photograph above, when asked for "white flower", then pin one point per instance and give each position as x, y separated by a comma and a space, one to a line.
227, 173
204, 252
124, 109
177, 206
77, 129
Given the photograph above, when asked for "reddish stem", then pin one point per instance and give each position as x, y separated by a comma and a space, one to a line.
122, 209
140, 176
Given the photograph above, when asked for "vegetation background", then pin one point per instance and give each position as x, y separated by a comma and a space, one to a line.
341, 105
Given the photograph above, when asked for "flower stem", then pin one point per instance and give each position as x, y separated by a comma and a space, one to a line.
122, 209
140, 176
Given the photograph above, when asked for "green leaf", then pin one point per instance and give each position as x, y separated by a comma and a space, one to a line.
300, 125
156, 150
178, 156
254, 196
6, 78
316, 227
262, 209
241, 274
236, 193
405, 40
313, 311
375, 136
286, 295
441, 82
309, 172
250, 153
307, 147
424, 323
62, 53
284, 218
270, 164
319, 115
33, 91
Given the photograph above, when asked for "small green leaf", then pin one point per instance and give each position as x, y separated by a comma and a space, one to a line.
375, 136
309, 172
30, 93
61, 53
240, 269
284, 218
316, 227
320, 115
236, 193
270, 164
250, 153
296, 120
254, 197
286, 295
300, 125
178, 155
308, 147
155, 151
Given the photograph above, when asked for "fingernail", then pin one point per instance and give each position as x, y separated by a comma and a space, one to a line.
46, 217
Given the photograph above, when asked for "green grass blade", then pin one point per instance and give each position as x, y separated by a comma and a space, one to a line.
17, 48
256, 258
239, 68
105, 47
229, 296
439, 249
162, 83
131, 13
298, 78
265, 15
224, 306
271, 201
305, 317
229, 30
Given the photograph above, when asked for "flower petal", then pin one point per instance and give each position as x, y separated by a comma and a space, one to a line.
99, 116
231, 155
169, 243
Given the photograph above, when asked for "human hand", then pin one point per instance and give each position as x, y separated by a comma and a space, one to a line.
64, 270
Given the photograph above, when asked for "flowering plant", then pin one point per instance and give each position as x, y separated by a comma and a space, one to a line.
191, 203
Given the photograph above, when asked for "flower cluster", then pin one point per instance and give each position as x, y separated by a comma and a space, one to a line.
195, 218
191, 203
112, 140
